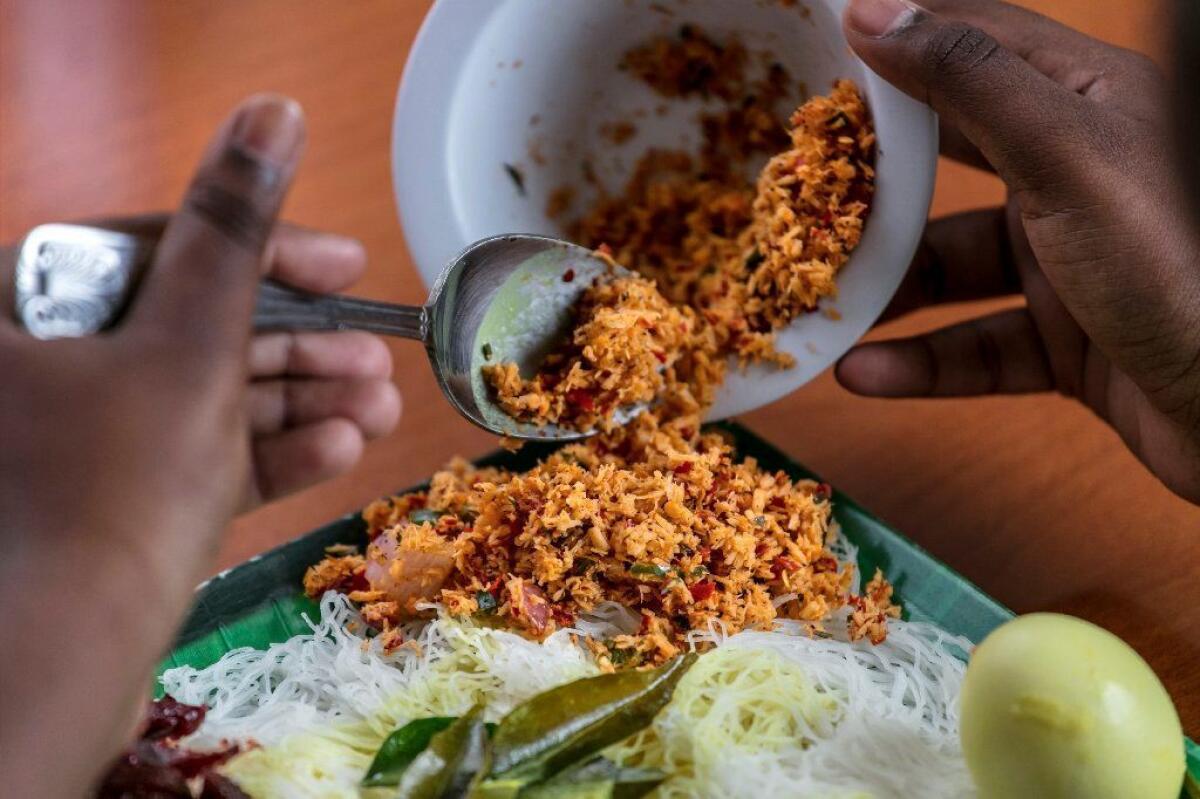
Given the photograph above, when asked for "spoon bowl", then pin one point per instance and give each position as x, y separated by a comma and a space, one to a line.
508, 298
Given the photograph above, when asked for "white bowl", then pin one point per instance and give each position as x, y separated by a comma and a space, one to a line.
495, 82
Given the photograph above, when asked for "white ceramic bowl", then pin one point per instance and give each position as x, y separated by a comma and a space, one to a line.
495, 82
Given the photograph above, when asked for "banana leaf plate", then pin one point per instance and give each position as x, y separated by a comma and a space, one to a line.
259, 602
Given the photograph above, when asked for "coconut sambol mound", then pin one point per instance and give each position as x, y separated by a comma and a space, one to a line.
656, 524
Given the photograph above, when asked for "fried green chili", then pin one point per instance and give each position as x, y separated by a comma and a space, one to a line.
569, 724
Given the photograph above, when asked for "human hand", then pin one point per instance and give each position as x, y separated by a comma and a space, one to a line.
127, 453
314, 398
1096, 233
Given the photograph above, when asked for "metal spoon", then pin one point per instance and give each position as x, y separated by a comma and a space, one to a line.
505, 298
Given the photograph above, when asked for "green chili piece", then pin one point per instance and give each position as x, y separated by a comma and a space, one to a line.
571, 723
401, 748
449, 763
648, 569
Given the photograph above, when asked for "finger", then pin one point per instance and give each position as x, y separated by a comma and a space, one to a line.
305, 456
8, 275
277, 405
957, 147
200, 289
1063, 338
349, 354
988, 93
313, 260
997, 354
961, 258
149, 225
1094, 69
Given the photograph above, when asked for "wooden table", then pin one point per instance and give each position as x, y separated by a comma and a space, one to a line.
105, 105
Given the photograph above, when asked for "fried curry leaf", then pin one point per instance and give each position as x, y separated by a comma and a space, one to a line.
425, 516
754, 260
517, 177
486, 600
401, 748
569, 724
448, 764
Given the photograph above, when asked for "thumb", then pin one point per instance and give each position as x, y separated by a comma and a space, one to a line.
198, 294
1028, 127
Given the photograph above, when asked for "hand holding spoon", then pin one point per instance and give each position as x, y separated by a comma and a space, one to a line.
501, 299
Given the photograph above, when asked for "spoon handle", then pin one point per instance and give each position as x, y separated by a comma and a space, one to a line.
282, 308
75, 280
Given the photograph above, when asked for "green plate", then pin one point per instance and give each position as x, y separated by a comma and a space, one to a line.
260, 603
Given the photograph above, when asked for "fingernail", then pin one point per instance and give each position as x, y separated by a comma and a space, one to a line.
878, 18
270, 127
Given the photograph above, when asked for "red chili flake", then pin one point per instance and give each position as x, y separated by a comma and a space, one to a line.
355, 581
783, 564
568, 275
683, 468
760, 549
563, 616
604, 249
702, 590
824, 564
687, 432
704, 552
822, 491
661, 356
582, 398
645, 625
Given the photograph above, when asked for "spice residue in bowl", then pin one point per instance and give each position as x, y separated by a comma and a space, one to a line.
740, 260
